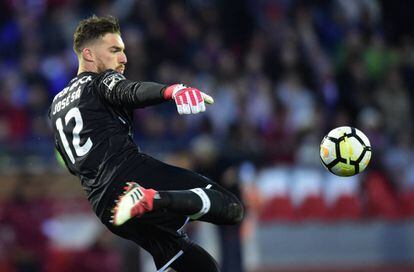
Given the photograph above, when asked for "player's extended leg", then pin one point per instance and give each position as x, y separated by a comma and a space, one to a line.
171, 251
195, 258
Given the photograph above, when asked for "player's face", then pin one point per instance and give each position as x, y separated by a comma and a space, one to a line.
109, 53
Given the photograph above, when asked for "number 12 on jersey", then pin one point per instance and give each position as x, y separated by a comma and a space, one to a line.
80, 150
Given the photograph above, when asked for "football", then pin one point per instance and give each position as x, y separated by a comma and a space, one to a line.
345, 151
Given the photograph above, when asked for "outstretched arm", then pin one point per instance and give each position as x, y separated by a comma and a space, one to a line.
114, 88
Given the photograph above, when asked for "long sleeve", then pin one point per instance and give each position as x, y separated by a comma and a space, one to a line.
115, 89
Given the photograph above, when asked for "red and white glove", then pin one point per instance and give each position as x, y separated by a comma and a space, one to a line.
188, 100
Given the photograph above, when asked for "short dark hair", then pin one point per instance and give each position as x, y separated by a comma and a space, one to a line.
93, 28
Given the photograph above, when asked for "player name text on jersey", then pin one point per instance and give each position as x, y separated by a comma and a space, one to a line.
69, 94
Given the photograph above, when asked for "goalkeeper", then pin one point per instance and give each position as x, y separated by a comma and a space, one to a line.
136, 196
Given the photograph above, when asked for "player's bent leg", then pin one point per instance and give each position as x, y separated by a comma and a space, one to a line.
194, 258
225, 208
199, 204
178, 191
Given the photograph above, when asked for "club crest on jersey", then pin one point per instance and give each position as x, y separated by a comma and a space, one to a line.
111, 80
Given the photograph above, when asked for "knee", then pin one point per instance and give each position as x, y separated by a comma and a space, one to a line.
235, 213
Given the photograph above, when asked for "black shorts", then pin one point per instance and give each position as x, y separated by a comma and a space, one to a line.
160, 233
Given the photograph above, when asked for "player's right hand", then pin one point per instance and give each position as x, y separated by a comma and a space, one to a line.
188, 100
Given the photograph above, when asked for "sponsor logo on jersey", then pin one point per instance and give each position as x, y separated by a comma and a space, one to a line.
73, 86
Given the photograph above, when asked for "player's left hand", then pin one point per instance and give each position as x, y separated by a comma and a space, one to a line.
189, 100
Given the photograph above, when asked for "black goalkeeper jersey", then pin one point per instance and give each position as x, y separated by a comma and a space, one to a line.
92, 124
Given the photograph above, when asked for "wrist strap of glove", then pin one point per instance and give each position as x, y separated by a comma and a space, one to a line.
170, 91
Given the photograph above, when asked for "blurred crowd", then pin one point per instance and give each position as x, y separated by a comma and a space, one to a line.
282, 72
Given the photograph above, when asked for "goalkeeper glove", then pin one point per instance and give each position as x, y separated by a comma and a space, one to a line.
188, 100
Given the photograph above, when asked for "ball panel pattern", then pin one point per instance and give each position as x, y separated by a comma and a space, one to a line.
345, 151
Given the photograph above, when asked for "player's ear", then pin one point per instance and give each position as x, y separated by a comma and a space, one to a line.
87, 54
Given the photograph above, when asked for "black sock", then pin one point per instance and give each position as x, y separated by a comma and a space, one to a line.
184, 202
223, 208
